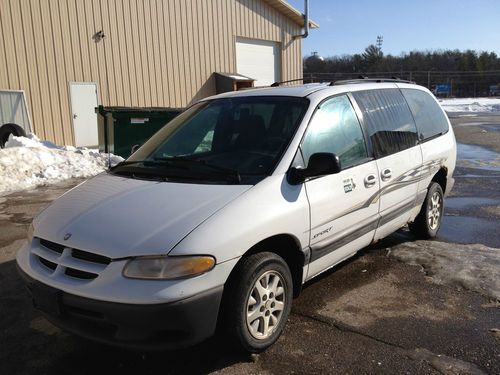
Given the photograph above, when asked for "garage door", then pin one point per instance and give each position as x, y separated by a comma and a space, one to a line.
258, 59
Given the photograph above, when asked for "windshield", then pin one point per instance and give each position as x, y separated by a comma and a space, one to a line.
230, 140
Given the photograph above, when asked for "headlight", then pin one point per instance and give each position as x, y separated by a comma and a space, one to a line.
29, 234
168, 268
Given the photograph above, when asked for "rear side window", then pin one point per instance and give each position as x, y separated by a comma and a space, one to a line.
389, 121
336, 129
430, 119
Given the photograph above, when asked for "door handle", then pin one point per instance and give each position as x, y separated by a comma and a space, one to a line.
370, 180
386, 174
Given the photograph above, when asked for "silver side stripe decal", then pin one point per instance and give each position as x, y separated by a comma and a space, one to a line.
409, 177
324, 248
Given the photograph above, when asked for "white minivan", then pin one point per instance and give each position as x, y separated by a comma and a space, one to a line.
220, 218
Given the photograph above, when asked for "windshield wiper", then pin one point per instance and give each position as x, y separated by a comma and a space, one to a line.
200, 162
127, 162
147, 163
141, 176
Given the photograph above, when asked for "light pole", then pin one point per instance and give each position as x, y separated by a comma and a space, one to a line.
429, 77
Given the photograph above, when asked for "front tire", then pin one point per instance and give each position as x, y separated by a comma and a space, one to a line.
428, 221
259, 301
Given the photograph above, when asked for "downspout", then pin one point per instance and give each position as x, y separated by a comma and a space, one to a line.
306, 21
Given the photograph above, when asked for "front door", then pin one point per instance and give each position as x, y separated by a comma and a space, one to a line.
343, 216
83, 104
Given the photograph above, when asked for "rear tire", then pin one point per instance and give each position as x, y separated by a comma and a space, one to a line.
8, 129
258, 301
428, 221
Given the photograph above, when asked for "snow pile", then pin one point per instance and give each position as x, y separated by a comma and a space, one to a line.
26, 162
475, 267
484, 105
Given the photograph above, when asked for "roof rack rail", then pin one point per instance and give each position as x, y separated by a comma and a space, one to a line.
364, 79
277, 84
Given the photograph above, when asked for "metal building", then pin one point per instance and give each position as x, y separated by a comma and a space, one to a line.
71, 55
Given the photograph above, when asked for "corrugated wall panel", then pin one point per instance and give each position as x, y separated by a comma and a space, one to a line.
20, 46
3, 54
125, 79
174, 53
33, 90
155, 53
64, 68
45, 125
47, 16
140, 73
165, 40
117, 66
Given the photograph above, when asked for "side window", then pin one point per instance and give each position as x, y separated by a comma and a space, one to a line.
429, 117
390, 123
336, 129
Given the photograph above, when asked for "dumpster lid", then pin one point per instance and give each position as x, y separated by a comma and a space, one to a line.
120, 109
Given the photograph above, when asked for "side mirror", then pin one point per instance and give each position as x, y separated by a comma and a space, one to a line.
320, 164
134, 148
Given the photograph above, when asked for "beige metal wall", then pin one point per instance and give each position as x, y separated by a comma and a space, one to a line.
156, 52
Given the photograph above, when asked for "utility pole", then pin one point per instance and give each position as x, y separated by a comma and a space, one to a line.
380, 40
429, 79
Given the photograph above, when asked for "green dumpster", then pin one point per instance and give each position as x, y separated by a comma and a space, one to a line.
120, 128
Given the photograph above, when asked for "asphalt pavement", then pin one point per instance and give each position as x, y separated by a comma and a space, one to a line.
375, 313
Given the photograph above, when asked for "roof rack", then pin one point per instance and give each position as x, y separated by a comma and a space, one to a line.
364, 79
277, 84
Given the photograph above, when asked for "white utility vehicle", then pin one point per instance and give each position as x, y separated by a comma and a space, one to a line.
220, 217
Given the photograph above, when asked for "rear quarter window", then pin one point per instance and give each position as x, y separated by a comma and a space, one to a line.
388, 119
430, 119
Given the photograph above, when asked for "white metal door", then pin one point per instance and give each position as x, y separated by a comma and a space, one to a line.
343, 215
258, 59
343, 206
83, 104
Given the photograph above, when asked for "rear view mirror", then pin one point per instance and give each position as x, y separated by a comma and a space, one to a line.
320, 164
134, 148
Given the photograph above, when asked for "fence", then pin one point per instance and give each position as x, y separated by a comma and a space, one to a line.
459, 83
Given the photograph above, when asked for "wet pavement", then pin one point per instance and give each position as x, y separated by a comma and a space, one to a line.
390, 309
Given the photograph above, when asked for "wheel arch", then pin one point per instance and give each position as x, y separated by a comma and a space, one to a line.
286, 246
441, 177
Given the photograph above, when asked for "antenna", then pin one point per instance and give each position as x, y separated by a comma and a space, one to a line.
380, 40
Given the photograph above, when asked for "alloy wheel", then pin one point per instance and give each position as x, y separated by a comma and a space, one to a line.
434, 212
265, 304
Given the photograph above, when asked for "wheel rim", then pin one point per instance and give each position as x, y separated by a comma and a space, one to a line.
265, 305
434, 212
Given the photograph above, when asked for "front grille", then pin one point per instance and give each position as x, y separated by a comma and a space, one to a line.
48, 263
90, 257
73, 272
52, 246
74, 263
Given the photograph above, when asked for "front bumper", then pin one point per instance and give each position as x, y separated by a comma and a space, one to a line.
147, 326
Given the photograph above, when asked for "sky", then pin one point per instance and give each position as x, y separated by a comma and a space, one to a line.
348, 27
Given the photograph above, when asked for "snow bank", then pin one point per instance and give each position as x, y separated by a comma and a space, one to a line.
475, 267
26, 162
484, 105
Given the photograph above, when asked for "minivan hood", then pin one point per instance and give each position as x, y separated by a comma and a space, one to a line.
121, 217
